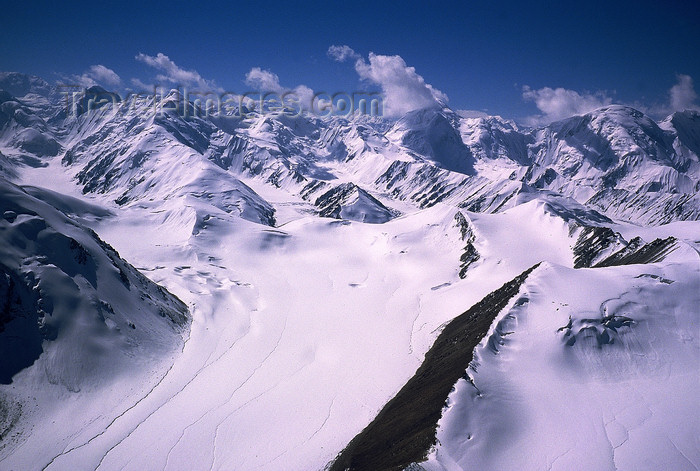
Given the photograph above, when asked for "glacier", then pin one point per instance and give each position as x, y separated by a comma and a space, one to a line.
286, 278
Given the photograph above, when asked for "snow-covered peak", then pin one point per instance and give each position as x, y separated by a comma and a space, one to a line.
615, 147
23, 130
431, 134
685, 125
348, 201
73, 297
19, 85
493, 138
610, 134
607, 159
317, 322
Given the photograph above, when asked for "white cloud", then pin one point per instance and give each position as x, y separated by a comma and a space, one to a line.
263, 80
82, 80
560, 103
683, 95
104, 75
140, 86
98, 75
342, 53
173, 74
305, 94
267, 81
404, 90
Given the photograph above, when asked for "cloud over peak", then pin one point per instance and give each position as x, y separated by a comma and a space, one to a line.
404, 90
263, 80
98, 75
683, 95
171, 73
560, 103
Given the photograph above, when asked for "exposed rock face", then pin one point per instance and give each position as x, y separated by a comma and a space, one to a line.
404, 430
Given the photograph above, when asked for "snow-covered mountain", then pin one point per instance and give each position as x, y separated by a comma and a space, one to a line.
615, 160
75, 316
61, 283
332, 265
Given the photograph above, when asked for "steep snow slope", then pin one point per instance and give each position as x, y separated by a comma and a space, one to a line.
21, 85
494, 138
24, 131
431, 134
311, 326
75, 319
614, 159
605, 372
303, 327
620, 161
684, 126
157, 158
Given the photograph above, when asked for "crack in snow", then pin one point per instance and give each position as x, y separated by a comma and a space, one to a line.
681, 453
413, 324
208, 362
122, 414
323, 424
216, 431
549, 467
255, 370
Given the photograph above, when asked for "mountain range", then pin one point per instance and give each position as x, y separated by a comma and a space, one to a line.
260, 291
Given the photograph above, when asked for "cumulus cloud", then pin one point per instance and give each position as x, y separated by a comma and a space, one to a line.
263, 80
404, 90
104, 75
171, 73
560, 103
682, 95
98, 75
305, 94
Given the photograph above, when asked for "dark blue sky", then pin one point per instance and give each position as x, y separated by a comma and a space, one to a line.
480, 54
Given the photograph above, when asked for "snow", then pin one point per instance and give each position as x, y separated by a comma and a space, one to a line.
259, 348
538, 403
319, 260
246, 359
79, 318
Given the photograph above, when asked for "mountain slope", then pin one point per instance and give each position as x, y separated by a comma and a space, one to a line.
74, 316
582, 366
615, 159
68, 288
322, 258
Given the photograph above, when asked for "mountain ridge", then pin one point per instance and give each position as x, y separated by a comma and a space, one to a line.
614, 159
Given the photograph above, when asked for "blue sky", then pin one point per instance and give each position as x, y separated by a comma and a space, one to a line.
480, 55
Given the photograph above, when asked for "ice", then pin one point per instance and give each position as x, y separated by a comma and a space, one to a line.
319, 260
